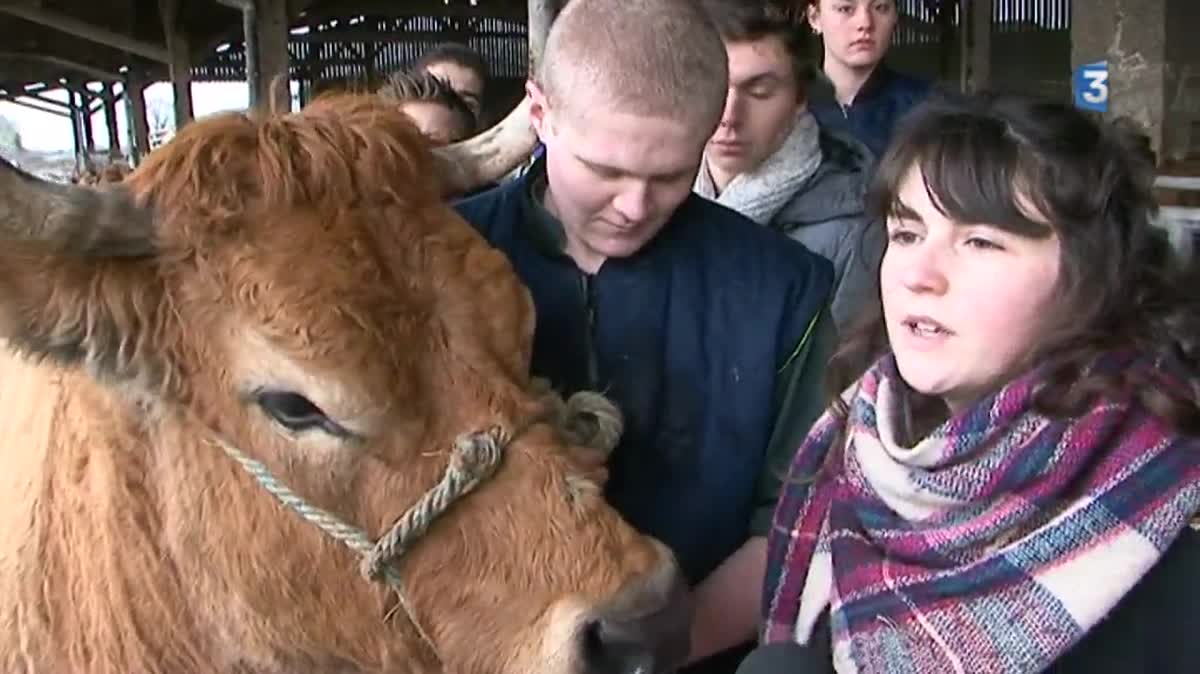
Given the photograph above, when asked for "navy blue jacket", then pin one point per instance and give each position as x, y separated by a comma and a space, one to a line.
688, 336
871, 117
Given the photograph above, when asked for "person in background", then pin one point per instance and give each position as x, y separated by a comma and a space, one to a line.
773, 162
856, 91
702, 326
463, 68
438, 111
1013, 484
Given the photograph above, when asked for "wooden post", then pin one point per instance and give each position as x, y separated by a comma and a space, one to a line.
85, 121
180, 61
975, 61
77, 143
135, 109
273, 59
265, 26
109, 96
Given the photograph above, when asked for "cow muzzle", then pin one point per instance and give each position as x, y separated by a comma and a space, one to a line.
645, 630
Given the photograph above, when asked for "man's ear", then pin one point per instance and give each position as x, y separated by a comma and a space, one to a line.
107, 314
539, 109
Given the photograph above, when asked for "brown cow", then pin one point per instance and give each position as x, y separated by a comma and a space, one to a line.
292, 287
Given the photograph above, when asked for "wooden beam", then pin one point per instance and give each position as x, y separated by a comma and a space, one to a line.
351, 35
82, 68
515, 11
50, 101
73, 26
17, 100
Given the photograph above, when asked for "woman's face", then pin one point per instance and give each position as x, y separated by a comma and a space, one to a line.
856, 33
964, 303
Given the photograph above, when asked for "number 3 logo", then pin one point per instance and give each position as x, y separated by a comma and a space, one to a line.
1091, 86
1097, 88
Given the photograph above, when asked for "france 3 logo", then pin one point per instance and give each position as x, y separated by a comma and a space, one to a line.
1090, 86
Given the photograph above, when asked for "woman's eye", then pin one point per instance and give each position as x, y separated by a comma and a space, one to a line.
902, 237
293, 411
983, 244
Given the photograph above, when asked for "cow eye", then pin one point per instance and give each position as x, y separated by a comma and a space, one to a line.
296, 413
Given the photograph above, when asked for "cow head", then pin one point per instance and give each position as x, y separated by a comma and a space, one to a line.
295, 286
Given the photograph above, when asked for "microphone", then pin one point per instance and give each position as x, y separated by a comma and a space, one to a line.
785, 657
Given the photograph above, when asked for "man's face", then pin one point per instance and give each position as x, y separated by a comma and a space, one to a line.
760, 108
614, 178
437, 122
465, 82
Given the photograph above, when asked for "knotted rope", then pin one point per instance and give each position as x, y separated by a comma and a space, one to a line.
586, 418
474, 458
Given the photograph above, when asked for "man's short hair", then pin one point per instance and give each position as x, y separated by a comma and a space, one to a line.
421, 87
750, 21
661, 58
458, 54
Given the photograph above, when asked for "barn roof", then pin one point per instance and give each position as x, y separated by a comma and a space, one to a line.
330, 39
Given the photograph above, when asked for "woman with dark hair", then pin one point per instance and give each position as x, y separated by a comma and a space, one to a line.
1009, 486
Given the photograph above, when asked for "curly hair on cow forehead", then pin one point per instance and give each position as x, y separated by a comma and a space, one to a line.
341, 149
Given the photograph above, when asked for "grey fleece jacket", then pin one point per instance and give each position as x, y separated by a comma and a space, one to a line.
827, 215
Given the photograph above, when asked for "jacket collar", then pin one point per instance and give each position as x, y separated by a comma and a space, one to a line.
543, 229
875, 85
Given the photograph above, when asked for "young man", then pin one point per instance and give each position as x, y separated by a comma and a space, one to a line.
438, 111
462, 67
701, 325
771, 161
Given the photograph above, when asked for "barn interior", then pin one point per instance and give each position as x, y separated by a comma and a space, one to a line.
82, 59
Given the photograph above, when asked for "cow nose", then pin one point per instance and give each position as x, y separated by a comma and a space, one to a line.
648, 634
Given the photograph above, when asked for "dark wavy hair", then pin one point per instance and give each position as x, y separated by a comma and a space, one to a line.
421, 87
981, 157
752, 20
458, 54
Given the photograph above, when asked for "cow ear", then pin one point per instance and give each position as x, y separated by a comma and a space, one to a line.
103, 313
78, 277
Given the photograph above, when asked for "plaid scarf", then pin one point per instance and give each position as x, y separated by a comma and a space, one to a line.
991, 545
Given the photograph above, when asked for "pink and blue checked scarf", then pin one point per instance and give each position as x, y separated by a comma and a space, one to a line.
991, 545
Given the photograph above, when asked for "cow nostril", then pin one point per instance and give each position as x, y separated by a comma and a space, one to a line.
644, 631
611, 648
593, 642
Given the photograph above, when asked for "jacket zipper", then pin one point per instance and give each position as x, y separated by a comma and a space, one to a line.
587, 286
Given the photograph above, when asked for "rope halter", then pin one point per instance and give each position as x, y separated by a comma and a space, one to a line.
586, 418
474, 458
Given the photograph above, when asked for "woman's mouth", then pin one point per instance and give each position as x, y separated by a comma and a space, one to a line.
923, 326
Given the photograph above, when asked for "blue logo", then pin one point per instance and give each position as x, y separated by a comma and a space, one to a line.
1090, 86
